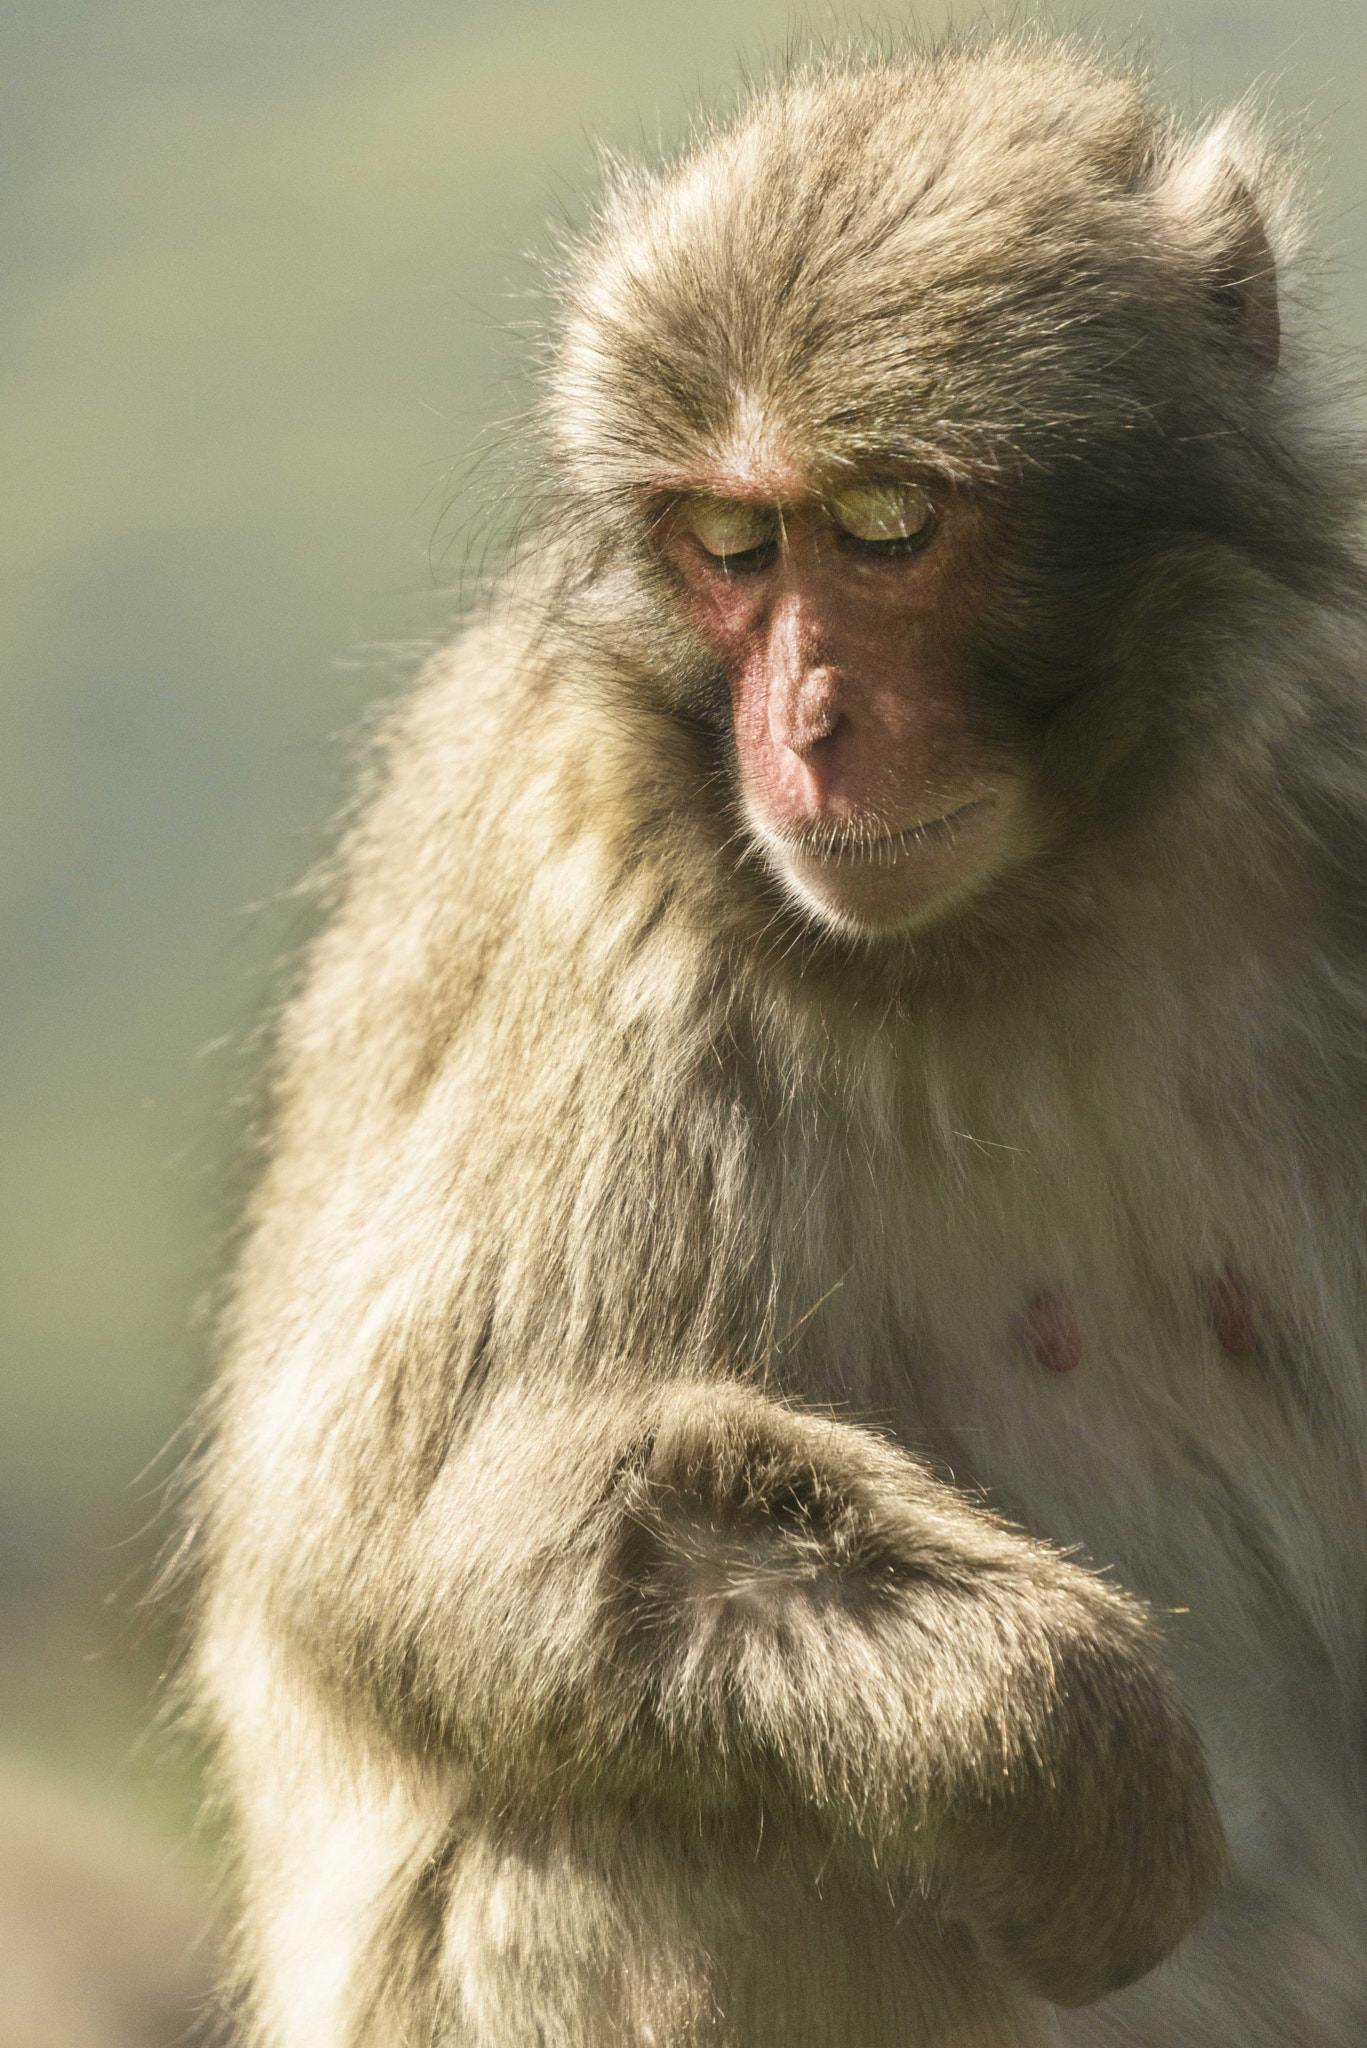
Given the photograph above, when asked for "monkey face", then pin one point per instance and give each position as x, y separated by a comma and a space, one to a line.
841, 620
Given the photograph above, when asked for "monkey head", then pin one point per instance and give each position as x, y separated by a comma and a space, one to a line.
895, 404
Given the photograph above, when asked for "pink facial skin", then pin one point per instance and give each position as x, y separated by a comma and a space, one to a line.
849, 698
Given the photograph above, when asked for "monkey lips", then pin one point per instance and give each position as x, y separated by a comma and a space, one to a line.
858, 874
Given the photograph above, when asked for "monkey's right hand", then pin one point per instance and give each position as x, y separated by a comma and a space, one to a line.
808, 1598
733, 1612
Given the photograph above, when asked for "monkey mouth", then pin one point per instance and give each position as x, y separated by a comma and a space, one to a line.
912, 836
868, 843
865, 875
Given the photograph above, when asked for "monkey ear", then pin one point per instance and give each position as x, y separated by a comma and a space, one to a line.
1211, 207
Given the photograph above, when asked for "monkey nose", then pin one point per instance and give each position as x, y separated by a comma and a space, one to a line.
803, 714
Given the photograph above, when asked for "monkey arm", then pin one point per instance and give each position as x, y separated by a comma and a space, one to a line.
787, 1607
714, 1615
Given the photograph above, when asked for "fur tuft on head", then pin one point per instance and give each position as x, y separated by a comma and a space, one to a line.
950, 259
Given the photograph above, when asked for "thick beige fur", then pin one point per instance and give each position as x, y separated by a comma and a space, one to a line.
616, 1621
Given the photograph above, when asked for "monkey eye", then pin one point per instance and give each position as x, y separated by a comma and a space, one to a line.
726, 528
886, 516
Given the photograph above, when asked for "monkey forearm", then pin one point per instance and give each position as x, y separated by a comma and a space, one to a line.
701, 1605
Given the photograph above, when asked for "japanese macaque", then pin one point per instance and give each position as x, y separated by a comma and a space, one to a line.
789, 1468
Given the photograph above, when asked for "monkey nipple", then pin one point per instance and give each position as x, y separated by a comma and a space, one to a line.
1050, 1329
1232, 1316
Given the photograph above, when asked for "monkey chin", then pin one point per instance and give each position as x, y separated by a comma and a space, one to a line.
871, 886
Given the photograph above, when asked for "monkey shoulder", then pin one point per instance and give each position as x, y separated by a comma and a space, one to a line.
541, 861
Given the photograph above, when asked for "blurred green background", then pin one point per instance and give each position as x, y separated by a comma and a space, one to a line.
266, 283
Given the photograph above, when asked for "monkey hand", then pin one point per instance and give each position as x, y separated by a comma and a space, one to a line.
691, 1629
823, 1620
